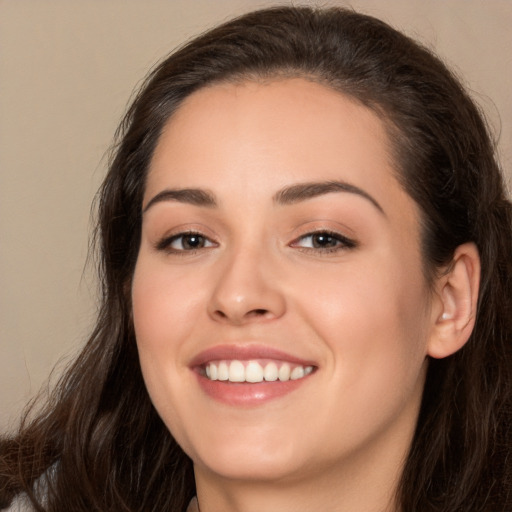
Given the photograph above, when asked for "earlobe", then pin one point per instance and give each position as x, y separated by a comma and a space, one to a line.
456, 300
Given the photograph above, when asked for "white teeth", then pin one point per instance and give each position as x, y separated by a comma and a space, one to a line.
254, 372
284, 372
270, 373
297, 373
236, 372
223, 371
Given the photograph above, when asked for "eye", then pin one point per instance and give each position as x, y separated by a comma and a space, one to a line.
183, 242
325, 241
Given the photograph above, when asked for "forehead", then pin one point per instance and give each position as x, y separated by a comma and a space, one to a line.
236, 135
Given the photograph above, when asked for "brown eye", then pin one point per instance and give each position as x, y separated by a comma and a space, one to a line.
321, 240
324, 240
191, 242
185, 242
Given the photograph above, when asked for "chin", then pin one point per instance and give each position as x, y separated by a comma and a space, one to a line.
250, 466
246, 457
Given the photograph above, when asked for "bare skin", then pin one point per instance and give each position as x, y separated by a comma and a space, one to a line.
253, 259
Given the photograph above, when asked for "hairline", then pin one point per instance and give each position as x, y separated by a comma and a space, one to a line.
394, 134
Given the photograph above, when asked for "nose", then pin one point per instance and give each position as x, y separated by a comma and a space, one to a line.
246, 290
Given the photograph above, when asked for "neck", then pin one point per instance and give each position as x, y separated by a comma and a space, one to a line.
363, 483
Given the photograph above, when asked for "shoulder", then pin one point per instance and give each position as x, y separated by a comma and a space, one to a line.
192, 506
20, 504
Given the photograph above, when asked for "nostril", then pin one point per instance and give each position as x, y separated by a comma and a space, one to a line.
258, 312
253, 313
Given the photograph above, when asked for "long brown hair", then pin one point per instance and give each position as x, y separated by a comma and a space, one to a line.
98, 444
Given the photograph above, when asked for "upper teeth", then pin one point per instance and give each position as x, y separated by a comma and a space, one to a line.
253, 371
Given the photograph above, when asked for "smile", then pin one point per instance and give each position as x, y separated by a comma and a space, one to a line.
254, 371
250, 375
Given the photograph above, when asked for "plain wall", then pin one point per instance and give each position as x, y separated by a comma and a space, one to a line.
67, 71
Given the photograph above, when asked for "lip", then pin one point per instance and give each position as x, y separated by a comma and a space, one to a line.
247, 394
246, 353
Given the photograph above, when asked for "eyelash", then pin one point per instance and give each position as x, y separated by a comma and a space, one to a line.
166, 243
341, 241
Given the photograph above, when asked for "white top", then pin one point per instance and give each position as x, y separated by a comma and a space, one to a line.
193, 506
20, 504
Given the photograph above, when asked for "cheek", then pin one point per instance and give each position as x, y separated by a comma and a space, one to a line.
164, 314
374, 319
163, 306
375, 327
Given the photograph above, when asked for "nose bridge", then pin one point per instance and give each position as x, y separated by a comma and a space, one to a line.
246, 287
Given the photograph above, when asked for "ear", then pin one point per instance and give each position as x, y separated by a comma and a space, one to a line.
455, 302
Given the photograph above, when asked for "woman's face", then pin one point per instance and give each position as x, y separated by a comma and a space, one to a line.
279, 252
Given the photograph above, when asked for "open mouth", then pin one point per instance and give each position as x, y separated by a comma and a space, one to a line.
254, 371
250, 375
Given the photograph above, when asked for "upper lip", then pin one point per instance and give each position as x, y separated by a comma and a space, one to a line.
245, 353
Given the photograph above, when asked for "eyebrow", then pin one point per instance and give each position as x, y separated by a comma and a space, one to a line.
289, 195
303, 191
195, 196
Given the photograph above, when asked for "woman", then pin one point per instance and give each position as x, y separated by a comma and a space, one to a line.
306, 264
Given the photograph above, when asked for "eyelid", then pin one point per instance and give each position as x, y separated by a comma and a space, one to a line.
346, 243
164, 243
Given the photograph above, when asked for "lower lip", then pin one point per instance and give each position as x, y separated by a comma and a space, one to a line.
248, 394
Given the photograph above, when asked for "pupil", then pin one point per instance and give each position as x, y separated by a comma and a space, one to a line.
192, 241
323, 240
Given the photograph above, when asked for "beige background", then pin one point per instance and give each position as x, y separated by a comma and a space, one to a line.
67, 70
